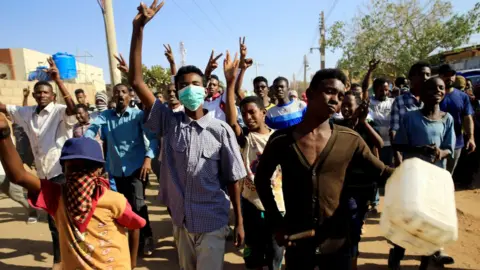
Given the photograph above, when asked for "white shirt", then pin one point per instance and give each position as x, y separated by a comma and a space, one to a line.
47, 132
380, 113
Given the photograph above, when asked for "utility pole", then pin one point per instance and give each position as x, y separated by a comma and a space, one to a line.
107, 10
294, 82
183, 52
256, 68
321, 41
305, 66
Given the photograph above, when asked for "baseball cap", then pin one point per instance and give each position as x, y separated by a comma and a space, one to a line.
446, 69
82, 148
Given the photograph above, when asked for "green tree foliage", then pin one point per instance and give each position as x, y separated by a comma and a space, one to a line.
399, 33
156, 77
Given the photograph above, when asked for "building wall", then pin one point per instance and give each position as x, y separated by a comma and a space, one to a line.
25, 61
11, 92
6, 63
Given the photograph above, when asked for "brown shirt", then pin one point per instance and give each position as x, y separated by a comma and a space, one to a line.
327, 208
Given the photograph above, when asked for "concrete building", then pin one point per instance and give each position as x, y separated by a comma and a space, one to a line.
17, 64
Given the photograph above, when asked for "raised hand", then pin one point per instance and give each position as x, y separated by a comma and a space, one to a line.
372, 65
230, 68
169, 53
26, 92
145, 14
362, 112
53, 70
212, 63
122, 64
244, 61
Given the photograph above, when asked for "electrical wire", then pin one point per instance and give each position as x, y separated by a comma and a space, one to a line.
221, 17
331, 10
189, 17
208, 17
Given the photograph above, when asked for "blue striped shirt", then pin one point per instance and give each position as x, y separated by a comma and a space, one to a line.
287, 115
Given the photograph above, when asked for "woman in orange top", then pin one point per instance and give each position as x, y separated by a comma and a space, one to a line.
92, 220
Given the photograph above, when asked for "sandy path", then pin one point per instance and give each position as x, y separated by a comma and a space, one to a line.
25, 246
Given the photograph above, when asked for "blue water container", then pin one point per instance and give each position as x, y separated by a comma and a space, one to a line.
66, 64
39, 74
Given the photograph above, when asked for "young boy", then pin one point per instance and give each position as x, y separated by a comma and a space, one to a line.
355, 117
261, 249
91, 219
427, 134
314, 157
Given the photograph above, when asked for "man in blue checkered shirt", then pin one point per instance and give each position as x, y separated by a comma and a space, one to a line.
201, 161
409, 101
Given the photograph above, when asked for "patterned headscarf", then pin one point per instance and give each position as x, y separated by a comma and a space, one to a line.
103, 97
83, 189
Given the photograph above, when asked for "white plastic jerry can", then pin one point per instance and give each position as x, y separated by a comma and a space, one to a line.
419, 211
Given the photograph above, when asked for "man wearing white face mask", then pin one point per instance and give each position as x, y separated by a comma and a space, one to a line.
201, 160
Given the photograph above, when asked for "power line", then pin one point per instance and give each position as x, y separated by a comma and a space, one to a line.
184, 12
331, 10
206, 16
221, 17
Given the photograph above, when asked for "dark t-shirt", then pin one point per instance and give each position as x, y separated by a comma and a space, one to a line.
457, 103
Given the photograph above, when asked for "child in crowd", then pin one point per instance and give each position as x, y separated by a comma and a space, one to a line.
360, 194
427, 134
91, 219
261, 249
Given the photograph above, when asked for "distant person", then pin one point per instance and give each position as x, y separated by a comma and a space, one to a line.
159, 96
83, 118
356, 89
419, 73
286, 113
460, 83
112, 105
214, 102
82, 99
428, 134
260, 87
402, 84
101, 100
457, 103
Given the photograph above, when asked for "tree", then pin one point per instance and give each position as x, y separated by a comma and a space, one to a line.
400, 33
156, 77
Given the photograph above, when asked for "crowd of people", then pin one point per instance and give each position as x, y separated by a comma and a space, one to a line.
301, 174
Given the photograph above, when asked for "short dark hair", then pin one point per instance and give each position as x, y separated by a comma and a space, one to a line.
400, 80
253, 99
260, 79
43, 83
329, 73
354, 85
378, 82
189, 69
81, 106
158, 93
79, 91
417, 67
213, 76
279, 79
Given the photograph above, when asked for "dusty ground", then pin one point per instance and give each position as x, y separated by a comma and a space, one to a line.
25, 246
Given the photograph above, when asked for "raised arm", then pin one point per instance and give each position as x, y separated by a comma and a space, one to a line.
26, 93
135, 75
11, 161
212, 64
230, 70
171, 59
55, 76
372, 65
244, 65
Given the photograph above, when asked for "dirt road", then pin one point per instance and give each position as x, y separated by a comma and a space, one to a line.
25, 246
